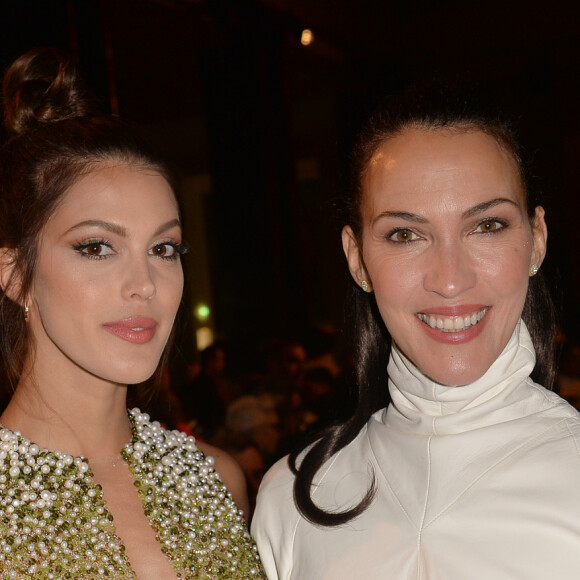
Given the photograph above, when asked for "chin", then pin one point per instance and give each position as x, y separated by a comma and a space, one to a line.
457, 377
129, 376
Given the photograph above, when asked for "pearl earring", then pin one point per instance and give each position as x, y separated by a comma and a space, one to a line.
534, 269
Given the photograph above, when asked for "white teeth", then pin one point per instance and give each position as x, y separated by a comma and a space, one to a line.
455, 323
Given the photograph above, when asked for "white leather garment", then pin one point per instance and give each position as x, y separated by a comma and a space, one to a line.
480, 482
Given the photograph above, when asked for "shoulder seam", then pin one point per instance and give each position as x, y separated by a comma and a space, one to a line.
573, 439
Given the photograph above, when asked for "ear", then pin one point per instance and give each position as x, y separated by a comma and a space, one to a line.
9, 285
540, 237
354, 258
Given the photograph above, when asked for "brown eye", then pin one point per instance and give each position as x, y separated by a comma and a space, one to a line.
167, 251
489, 226
403, 236
94, 249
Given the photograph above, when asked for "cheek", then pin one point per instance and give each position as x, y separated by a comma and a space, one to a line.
508, 270
394, 279
396, 296
387, 268
171, 289
69, 288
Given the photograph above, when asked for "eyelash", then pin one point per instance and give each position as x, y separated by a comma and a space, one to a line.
395, 231
493, 220
179, 249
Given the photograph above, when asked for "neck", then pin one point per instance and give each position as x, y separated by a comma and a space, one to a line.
83, 415
426, 407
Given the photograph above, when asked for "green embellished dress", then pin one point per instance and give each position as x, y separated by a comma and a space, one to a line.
54, 522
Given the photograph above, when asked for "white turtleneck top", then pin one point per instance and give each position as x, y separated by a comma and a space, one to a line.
479, 482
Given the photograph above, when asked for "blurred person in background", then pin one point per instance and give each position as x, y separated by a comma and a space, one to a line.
205, 398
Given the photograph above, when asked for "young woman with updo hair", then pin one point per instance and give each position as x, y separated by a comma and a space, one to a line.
472, 472
91, 281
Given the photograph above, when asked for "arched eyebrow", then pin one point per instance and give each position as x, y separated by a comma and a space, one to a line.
486, 205
403, 215
119, 229
471, 212
167, 226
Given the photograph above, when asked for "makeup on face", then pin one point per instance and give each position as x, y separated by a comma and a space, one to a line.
109, 280
446, 246
138, 330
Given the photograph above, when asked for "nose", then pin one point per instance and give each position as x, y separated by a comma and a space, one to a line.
449, 270
139, 283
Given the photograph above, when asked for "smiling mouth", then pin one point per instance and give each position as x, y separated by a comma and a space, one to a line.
453, 323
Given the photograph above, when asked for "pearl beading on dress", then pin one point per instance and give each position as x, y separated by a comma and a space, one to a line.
54, 522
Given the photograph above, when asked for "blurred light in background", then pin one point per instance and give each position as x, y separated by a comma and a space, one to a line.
204, 337
307, 37
202, 312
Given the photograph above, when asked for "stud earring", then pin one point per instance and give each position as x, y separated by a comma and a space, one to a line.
365, 285
534, 269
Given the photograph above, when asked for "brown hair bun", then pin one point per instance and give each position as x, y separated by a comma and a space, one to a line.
42, 86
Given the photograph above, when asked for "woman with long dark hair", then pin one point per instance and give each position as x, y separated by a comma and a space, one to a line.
473, 470
91, 281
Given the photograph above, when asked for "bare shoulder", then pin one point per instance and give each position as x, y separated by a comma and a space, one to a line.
231, 474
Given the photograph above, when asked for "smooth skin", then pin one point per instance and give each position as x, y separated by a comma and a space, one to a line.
109, 252
446, 234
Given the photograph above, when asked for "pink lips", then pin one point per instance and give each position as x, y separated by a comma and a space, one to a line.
138, 330
459, 337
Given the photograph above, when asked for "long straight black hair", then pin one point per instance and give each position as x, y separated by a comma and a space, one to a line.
429, 108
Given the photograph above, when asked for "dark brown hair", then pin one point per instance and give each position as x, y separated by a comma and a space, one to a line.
429, 108
56, 135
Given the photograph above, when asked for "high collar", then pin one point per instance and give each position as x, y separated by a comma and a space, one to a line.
423, 406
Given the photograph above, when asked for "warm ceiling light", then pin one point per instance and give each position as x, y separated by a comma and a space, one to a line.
307, 37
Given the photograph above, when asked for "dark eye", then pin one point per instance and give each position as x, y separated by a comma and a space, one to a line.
403, 236
164, 251
94, 249
489, 226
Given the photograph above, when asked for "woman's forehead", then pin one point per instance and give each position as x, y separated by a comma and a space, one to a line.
117, 193
423, 164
